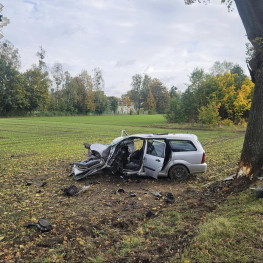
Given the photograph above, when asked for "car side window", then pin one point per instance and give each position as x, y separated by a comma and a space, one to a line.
155, 148
182, 146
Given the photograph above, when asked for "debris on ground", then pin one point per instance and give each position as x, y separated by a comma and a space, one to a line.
94, 182
259, 191
121, 191
169, 199
131, 194
150, 213
229, 178
157, 194
260, 178
43, 225
132, 205
106, 208
71, 190
38, 183
83, 189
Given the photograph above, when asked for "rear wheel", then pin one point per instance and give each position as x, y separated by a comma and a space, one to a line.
178, 172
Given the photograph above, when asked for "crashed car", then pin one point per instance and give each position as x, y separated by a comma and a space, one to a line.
173, 155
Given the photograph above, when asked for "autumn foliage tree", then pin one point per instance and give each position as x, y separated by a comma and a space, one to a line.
233, 94
150, 104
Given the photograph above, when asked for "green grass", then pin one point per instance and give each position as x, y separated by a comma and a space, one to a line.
33, 147
233, 233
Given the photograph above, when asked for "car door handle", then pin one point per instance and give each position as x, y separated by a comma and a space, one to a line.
157, 160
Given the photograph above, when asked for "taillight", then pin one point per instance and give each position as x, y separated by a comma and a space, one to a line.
203, 158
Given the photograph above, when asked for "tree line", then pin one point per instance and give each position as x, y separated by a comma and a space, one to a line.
52, 89
223, 95
48, 89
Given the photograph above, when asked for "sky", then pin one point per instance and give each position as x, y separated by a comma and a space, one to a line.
165, 39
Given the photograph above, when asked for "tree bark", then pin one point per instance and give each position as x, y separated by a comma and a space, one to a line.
251, 162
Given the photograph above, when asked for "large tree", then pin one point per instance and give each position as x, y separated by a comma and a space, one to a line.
149, 103
136, 91
161, 95
101, 102
36, 88
98, 81
58, 77
10, 54
251, 161
13, 99
113, 103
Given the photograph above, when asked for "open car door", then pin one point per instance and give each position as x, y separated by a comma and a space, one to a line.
154, 158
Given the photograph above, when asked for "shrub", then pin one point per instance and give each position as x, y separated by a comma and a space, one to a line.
227, 122
209, 114
242, 123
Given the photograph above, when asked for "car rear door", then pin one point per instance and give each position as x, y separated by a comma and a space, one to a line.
154, 158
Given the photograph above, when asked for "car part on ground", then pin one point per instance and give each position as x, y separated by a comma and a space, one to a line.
43, 225
259, 191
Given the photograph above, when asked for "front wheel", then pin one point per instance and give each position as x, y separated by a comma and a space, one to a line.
178, 172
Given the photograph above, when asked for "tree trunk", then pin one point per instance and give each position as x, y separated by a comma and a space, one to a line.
251, 162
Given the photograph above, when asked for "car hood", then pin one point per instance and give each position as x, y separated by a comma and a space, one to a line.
98, 147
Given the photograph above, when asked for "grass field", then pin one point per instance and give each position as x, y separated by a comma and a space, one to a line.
97, 226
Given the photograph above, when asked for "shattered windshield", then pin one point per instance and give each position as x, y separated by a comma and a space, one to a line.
116, 141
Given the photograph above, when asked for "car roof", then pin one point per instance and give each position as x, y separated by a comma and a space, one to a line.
175, 136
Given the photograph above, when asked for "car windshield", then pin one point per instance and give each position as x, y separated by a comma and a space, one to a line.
116, 141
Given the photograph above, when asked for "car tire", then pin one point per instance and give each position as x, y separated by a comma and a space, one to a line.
178, 172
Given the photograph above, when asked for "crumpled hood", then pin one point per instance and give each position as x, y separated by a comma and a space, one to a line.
98, 147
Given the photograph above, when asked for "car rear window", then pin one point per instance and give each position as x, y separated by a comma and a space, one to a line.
182, 146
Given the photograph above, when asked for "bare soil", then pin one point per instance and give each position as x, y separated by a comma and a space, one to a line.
97, 221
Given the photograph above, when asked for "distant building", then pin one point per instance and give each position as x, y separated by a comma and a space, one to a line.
123, 108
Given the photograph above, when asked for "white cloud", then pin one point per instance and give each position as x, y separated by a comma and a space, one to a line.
163, 38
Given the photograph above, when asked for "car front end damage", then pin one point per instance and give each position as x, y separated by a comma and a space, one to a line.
173, 155
97, 153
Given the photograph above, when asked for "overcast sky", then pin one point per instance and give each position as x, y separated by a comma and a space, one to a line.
162, 38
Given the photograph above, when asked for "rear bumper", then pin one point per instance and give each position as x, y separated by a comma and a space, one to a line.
197, 168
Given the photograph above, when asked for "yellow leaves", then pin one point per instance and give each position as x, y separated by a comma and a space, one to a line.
81, 241
151, 227
33, 219
235, 100
141, 231
243, 100
107, 242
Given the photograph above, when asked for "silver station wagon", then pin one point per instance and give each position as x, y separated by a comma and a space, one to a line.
155, 155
